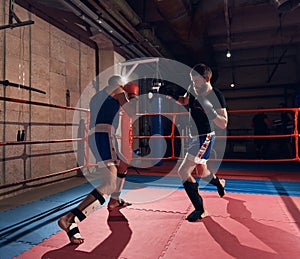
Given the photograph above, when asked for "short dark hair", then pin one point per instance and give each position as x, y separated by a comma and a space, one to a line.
202, 70
113, 79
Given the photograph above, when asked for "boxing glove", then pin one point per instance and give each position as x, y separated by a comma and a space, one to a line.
208, 107
132, 90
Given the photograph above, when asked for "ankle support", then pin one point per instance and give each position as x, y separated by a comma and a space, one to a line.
193, 193
79, 214
98, 196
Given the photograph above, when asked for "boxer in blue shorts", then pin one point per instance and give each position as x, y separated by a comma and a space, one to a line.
207, 108
104, 119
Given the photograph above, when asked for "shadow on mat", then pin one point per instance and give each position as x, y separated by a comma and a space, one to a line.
110, 248
231, 244
281, 243
288, 201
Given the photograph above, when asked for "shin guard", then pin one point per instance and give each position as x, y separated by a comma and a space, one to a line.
119, 186
81, 215
214, 180
193, 193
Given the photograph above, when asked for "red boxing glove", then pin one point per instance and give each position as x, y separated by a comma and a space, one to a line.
132, 89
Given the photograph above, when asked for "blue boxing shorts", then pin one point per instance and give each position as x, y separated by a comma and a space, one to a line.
103, 144
199, 147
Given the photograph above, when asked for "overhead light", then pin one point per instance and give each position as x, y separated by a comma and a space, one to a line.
228, 54
232, 85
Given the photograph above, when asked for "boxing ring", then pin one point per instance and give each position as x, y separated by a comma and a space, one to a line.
39, 142
293, 136
239, 225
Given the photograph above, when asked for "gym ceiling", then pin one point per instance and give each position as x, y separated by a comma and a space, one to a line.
262, 36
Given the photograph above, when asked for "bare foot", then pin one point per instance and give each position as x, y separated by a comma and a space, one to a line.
204, 214
113, 203
71, 229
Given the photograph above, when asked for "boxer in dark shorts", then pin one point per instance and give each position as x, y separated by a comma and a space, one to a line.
104, 119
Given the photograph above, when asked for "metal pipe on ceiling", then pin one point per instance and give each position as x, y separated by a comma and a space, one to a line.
92, 19
109, 14
111, 33
121, 25
124, 8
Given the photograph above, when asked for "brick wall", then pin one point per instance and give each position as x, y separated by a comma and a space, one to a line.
46, 58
